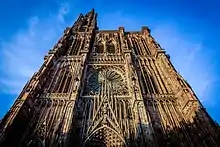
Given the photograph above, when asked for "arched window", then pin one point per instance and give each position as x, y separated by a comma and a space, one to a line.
36, 142
150, 84
100, 48
62, 81
110, 48
98, 139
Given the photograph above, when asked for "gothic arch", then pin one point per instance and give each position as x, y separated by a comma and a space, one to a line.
36, 142
104, 136
111, 47
150, 82
62, 78
100, 48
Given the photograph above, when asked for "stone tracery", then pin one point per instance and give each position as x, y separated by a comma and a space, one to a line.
106, 78
107, 88
104, 136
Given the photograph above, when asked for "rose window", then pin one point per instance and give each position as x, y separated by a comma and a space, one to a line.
107, 81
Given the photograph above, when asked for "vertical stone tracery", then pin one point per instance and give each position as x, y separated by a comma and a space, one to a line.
107, 88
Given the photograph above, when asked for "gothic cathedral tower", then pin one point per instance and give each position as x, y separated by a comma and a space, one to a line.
107, 88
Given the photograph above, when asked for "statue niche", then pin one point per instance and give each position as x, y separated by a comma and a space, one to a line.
110, 48
100, 48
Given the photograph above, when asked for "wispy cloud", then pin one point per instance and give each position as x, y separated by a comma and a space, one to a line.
64, 9
23, 54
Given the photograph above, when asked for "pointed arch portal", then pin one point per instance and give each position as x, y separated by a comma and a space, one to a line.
104, 137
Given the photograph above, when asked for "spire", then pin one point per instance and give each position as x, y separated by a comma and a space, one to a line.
90, 13
93, 10
86, 22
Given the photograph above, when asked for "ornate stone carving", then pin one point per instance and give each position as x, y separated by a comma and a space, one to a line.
104, 78
107, 88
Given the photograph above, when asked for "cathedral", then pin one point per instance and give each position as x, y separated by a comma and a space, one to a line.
107, 88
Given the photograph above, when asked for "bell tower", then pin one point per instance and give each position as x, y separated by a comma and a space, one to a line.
107, 88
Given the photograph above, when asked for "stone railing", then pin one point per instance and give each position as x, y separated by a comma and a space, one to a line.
56, 95
107, 60
161, 96
71, 58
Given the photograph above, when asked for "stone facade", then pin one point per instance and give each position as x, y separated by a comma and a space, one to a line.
107, 88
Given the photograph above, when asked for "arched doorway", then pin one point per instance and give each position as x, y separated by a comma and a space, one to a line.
104, 137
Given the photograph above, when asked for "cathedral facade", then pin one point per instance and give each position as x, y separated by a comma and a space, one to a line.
107, 88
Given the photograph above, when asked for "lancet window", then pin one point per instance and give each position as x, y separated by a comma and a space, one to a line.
133, 46
145, 46
61, 81
100, 48
74, 48
149, 83
105, 43
110, 48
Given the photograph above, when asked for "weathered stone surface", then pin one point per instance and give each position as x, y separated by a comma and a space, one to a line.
107, 88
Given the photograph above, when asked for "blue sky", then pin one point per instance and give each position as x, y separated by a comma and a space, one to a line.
188, 30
